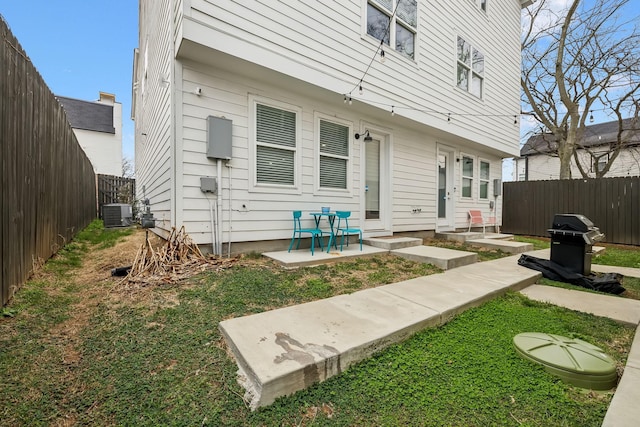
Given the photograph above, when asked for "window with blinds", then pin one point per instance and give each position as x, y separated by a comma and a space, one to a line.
334, 155
275, 145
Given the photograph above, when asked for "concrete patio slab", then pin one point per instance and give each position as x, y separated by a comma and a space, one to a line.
440, 257
392, 243
620, 309
303, 257
508, 246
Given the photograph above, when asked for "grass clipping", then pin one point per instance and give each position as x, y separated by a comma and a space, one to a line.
178, 259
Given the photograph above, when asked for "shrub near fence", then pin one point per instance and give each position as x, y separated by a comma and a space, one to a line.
47, 182
612, 204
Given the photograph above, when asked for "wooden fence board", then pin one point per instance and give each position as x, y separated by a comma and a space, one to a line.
612, 204
48, 184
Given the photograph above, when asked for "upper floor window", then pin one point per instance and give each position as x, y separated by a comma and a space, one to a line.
399, 29
470, 68
334, 155
467, 176
482, 4
276, 144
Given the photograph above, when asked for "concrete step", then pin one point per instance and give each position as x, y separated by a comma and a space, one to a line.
282, 351
469, 235
443, 258
508, 246
392, 243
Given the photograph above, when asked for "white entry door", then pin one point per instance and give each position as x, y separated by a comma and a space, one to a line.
445, 198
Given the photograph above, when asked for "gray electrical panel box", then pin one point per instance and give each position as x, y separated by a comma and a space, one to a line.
208, 184
497, 187
218, 138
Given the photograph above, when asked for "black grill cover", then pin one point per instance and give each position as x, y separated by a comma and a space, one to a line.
608, 282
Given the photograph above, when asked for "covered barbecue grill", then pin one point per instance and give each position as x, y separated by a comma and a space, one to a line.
572, 239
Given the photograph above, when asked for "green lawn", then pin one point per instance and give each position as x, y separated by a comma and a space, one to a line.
80, 353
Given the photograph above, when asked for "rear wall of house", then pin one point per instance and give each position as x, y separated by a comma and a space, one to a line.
254, 214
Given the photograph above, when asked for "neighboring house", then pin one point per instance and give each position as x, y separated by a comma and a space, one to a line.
98, 129
539, 159
265, 98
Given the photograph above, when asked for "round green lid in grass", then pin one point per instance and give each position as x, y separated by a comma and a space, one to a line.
575, 361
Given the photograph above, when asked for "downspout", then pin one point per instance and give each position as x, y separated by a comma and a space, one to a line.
228, 165
219, 209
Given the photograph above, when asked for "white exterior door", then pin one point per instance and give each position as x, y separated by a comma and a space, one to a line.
444, 205
376, 185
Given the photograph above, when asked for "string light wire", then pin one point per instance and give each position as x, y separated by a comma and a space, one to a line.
380, 51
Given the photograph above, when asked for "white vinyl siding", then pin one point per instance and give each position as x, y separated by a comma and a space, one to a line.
334, 155
482, 4
485, 176
275, 145
322, 46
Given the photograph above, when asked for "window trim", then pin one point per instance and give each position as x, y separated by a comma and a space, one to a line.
463, 176
254, 185
481, 180
469, 68
341, 192
391, 47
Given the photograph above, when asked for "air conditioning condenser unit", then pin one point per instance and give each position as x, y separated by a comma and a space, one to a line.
117, 215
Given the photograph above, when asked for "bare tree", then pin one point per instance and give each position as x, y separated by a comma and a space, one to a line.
581, 59
128, 169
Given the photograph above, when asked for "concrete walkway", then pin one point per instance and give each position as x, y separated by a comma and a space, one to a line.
282, 351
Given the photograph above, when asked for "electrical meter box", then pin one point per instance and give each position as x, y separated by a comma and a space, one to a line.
497, 187
219, 138
208, 184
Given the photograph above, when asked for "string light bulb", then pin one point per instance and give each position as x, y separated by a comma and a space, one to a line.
591, 117
350, 101
345, 99
361, 91
382, 56
449, 117
515, 120
393, 113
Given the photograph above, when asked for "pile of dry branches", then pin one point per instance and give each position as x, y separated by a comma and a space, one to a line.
177, 260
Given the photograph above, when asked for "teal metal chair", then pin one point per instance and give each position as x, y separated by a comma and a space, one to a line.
343, 228
298, 230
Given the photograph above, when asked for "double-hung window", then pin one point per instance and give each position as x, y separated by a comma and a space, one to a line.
397, 29
470, 69
484, 179
334, 155
276, 145
467, 176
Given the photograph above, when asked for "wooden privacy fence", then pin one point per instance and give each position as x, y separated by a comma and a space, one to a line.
48, 189
612, 204
115, 189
